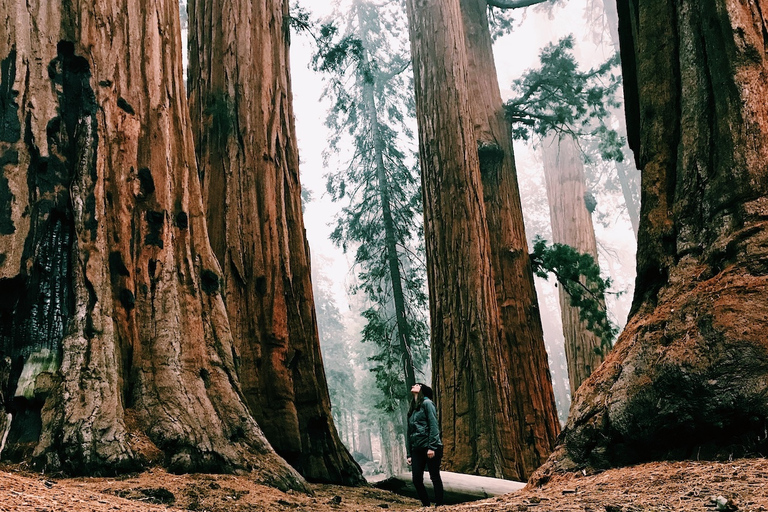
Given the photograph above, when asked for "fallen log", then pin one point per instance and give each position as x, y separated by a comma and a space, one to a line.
459, 488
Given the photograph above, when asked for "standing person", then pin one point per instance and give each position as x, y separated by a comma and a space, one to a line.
423, 444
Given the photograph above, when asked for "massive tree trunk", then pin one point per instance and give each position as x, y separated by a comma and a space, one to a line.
112, 314
688, 376
572, 225
240, 97
535, 412
470, 376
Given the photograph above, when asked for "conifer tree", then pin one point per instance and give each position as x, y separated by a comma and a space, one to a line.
367, 70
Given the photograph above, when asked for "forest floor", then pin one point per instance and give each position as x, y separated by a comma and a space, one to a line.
665, 486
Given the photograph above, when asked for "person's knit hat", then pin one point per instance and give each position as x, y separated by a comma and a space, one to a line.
426, 391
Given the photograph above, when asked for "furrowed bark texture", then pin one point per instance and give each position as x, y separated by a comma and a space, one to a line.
469, 371
688, 375
572, 225
534, 411
118, 338
241, 104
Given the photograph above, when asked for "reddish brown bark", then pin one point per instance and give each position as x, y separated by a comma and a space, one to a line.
240, 95
115, 286
688, 375
470, 375
534, 411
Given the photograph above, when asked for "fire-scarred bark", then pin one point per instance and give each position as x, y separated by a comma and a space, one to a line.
112, 315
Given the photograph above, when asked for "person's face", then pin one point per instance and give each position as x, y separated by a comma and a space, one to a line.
415, 389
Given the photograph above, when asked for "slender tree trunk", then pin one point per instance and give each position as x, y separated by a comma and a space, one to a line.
387, 459
240, 95
572, 225
364, 445
688, 375
470, 376
535, 412
393, 258
112, 313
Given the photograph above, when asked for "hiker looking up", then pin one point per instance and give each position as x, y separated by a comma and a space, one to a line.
423, 444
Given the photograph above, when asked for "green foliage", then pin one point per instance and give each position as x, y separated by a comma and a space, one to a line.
579, 275
500, 22
560, 98
366, 65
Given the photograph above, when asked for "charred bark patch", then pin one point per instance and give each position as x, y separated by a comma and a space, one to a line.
490, 154
152, 268
127, 299
146, 182
10, 131
182, 220
125, 106
116, 265
62, 205
25, 429
155, 221
10, 124
209, 281
71, 74
10, 292
10, 157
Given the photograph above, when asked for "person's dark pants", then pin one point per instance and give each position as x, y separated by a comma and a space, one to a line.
419, 461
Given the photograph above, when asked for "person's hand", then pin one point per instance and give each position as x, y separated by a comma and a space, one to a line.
430, 454
408, 460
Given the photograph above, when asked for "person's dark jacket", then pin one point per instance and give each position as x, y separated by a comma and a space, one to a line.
423, 431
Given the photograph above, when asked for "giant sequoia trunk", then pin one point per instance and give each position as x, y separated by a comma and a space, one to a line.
572, 225
111, 314
534, 411
471, 381
240, 96
689, 375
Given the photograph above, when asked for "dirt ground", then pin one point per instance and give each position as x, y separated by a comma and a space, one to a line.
675, 486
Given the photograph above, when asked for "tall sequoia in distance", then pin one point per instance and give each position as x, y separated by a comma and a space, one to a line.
572, 225
535, 412
688, 376
241, 104
470, 376
111, 314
